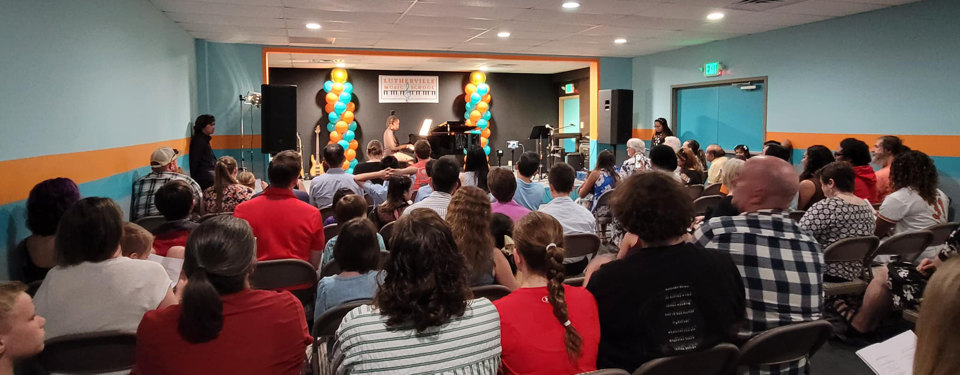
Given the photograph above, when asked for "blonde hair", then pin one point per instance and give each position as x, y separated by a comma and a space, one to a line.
939, 323
246, 178
730, 172
9, 291
135, 240
223, 177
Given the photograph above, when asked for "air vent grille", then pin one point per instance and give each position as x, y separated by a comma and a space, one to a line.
761, 5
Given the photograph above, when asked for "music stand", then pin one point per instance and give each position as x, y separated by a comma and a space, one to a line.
539, 132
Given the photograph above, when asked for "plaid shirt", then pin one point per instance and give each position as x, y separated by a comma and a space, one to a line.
781, 266
141, 202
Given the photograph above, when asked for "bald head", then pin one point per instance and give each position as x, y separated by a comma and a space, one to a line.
714, 151
765, 182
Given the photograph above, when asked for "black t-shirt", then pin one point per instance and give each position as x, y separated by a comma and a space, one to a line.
369, 166
664, 301
724, 208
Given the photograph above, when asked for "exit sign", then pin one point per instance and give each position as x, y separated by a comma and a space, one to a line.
712, 69
568, 88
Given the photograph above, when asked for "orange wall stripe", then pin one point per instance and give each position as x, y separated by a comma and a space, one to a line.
594, 100
933, 145
86, 166
643, 134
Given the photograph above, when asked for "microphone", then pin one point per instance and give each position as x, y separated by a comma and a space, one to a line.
548, 126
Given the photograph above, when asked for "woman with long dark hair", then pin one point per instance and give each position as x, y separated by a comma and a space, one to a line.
811, 190
211, 330
399, 190
226, 192
423, 302
202, 160
915, 203
691, 170
529, 327
694, 146
469, 217
390, 144
475, 169
602, 178
660, 132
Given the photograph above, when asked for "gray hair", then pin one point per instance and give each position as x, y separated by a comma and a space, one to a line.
730, 171
673, 142
637, 145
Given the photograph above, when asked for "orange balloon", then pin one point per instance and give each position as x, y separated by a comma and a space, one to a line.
347, 117
354, 144
470, 89
482, 107
483, 142
477, 78
328, 107
346, 164
337, 87
468, 122
351, 154
466, 98
486, 98
339, 75
342, 127
485, 133
351, 107
332, 98
335, 137
475, 115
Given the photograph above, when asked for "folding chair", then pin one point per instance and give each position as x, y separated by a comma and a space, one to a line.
718, 360
606, 371
150, 223
601, 210
712, 189
574, 281
579, 245
332, 268
797, 214
706, 203
293, 275
330, 231
907, 245
941, 232
853, 249
211, 216
385, 232
324, 328
89, 353
694, 191
326, 212
785, 344
490, 292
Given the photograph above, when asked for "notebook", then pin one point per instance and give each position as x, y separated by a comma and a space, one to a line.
891, 357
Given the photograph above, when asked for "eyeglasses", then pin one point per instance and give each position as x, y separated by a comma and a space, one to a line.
837, 154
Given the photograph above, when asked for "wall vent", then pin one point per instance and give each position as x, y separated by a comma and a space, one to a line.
761, 5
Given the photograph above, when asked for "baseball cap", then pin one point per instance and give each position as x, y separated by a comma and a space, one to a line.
163, 156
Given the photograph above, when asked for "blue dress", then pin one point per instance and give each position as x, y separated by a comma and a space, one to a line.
604, 184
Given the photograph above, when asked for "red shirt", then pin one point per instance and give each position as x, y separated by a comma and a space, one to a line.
264, 332
285, 227
422, 178
532, 338
163, 242
865, 183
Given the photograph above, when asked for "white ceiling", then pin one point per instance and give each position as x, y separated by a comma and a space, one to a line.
431, 64
536, 26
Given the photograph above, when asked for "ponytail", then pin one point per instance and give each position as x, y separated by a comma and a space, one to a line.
202, 316
222, 177
555, 294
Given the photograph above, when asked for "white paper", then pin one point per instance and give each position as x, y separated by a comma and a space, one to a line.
891, 357
171, 265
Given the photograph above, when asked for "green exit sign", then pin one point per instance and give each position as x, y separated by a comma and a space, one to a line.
568, 88
712, 69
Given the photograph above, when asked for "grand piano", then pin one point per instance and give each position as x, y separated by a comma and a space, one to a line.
449, 138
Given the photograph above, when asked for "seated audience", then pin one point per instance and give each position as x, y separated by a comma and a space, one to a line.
915, 203
222, 326
531, 330
664, 159
226, 192
884, 151
342, 192
47, 202
246, 178
445, 180
601, 179
21, 330
857, 153
770, 249
694, 147
731, 173
647, 310
350, 207
422, 151
475, 169
529, 194
136, 242
811, 191
323, 187
743, 152
424, 299
284, 226
716, 156
502, 229
503, 186
673, 142
573, 217
358, 255
636, 161
163, 161
93, 288
777, 151
398, 199
469, 219
424, 191
372, 163
691, 173
175, 204
938, 325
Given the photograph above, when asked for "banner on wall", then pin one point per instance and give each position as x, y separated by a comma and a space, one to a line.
409, 89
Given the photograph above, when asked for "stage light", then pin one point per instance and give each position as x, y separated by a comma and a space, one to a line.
313, 26
483, 68
253, 98
571, 4
715, 16
503, 34
341, 64
619, 41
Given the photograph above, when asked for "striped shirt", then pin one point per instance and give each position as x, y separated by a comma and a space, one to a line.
436, 201
469, 344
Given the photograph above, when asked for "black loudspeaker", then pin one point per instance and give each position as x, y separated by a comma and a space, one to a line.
575, 159
278, 130
616, 116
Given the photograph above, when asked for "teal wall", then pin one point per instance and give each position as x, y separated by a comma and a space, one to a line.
891, 71
88, 75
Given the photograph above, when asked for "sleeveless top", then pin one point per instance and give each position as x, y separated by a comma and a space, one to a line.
817, 195
604, 184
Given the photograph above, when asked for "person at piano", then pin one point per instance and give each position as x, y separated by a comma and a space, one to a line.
390, 144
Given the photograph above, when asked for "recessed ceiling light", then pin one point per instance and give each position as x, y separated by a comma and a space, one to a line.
715, 16
484, 68
503, 34
571, 4
619, 41
313, 26
341, 64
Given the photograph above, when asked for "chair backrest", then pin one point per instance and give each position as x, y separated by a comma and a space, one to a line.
211, 216
604, 200
327, 323
330, 231
581, 244
695, 191
706, 203
574, 281
718, 360
797, 214
283, 274
908, 245
853, 249
606, 371
326, 212
386, 231
490, 292
333, 268
712, 189
150, 223
941, 232
89, 353
785, 343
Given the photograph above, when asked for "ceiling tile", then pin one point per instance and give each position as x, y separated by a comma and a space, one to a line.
831, 8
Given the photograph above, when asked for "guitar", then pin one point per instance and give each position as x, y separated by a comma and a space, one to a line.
316, 168
300, 152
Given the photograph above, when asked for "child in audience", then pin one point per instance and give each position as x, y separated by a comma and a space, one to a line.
501, 226
529, 194
425, 190
246, 178
358, 255
21, 330
530, 330
350, 207
137, 242
398, 199
342, 192
174, 200
469, 217
223, 326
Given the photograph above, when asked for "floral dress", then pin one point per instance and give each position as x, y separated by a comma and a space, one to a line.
637, 163
604, 184
232, 196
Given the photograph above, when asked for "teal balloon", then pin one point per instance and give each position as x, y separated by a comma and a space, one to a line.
466, 115
345, 97
349, 136
483, 89
348, 88
350, 170
352, 126
486, 115
475, 98
471, 107
344, 144
331, 126
482, 124
486, 149
333, 117
339, 108
353, 163
328, 86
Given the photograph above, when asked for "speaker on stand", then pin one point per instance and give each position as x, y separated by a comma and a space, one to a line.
278, 130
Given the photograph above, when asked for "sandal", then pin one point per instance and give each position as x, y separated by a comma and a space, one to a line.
847, 312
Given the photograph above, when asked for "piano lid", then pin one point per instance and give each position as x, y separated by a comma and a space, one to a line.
453, 126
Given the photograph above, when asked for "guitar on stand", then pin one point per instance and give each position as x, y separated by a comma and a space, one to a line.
300, 152
316, 168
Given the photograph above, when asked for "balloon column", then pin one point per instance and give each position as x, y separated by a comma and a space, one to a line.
339, 109
477, 96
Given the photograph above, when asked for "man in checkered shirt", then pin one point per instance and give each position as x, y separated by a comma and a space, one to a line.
781, 264
164, 164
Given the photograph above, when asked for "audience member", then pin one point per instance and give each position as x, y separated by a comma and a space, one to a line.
47, 202
840, 215
811, 191
743, 152
691, 172
731, 173
694, 146
529, 194
777, 151
475, 169
716, 156
503, 187
324, 186
202, 160
348, 208
937, 327
358, 255
175, 203
424, 191
726, 184
424, 299
782, 150
857, 153
341, 192
163, 161
770, 249
226, 192
636, 161
222, 326
660, 131
915, 203
21, 330
422, 150
284, 226
664, 159
884, 151
648, 310
93, 288
445, 180
673, 142
601, 179
530, 330
246, 178
501, 226
372, 163
398, 199
136, 242
469, 219
573, 217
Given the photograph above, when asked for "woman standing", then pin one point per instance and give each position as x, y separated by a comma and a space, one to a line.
469, 217
811, 191
390, 144
202, 161
601, 179
226, 192
660, 131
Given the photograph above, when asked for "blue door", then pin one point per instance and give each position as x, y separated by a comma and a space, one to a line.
726, 115
570, 123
